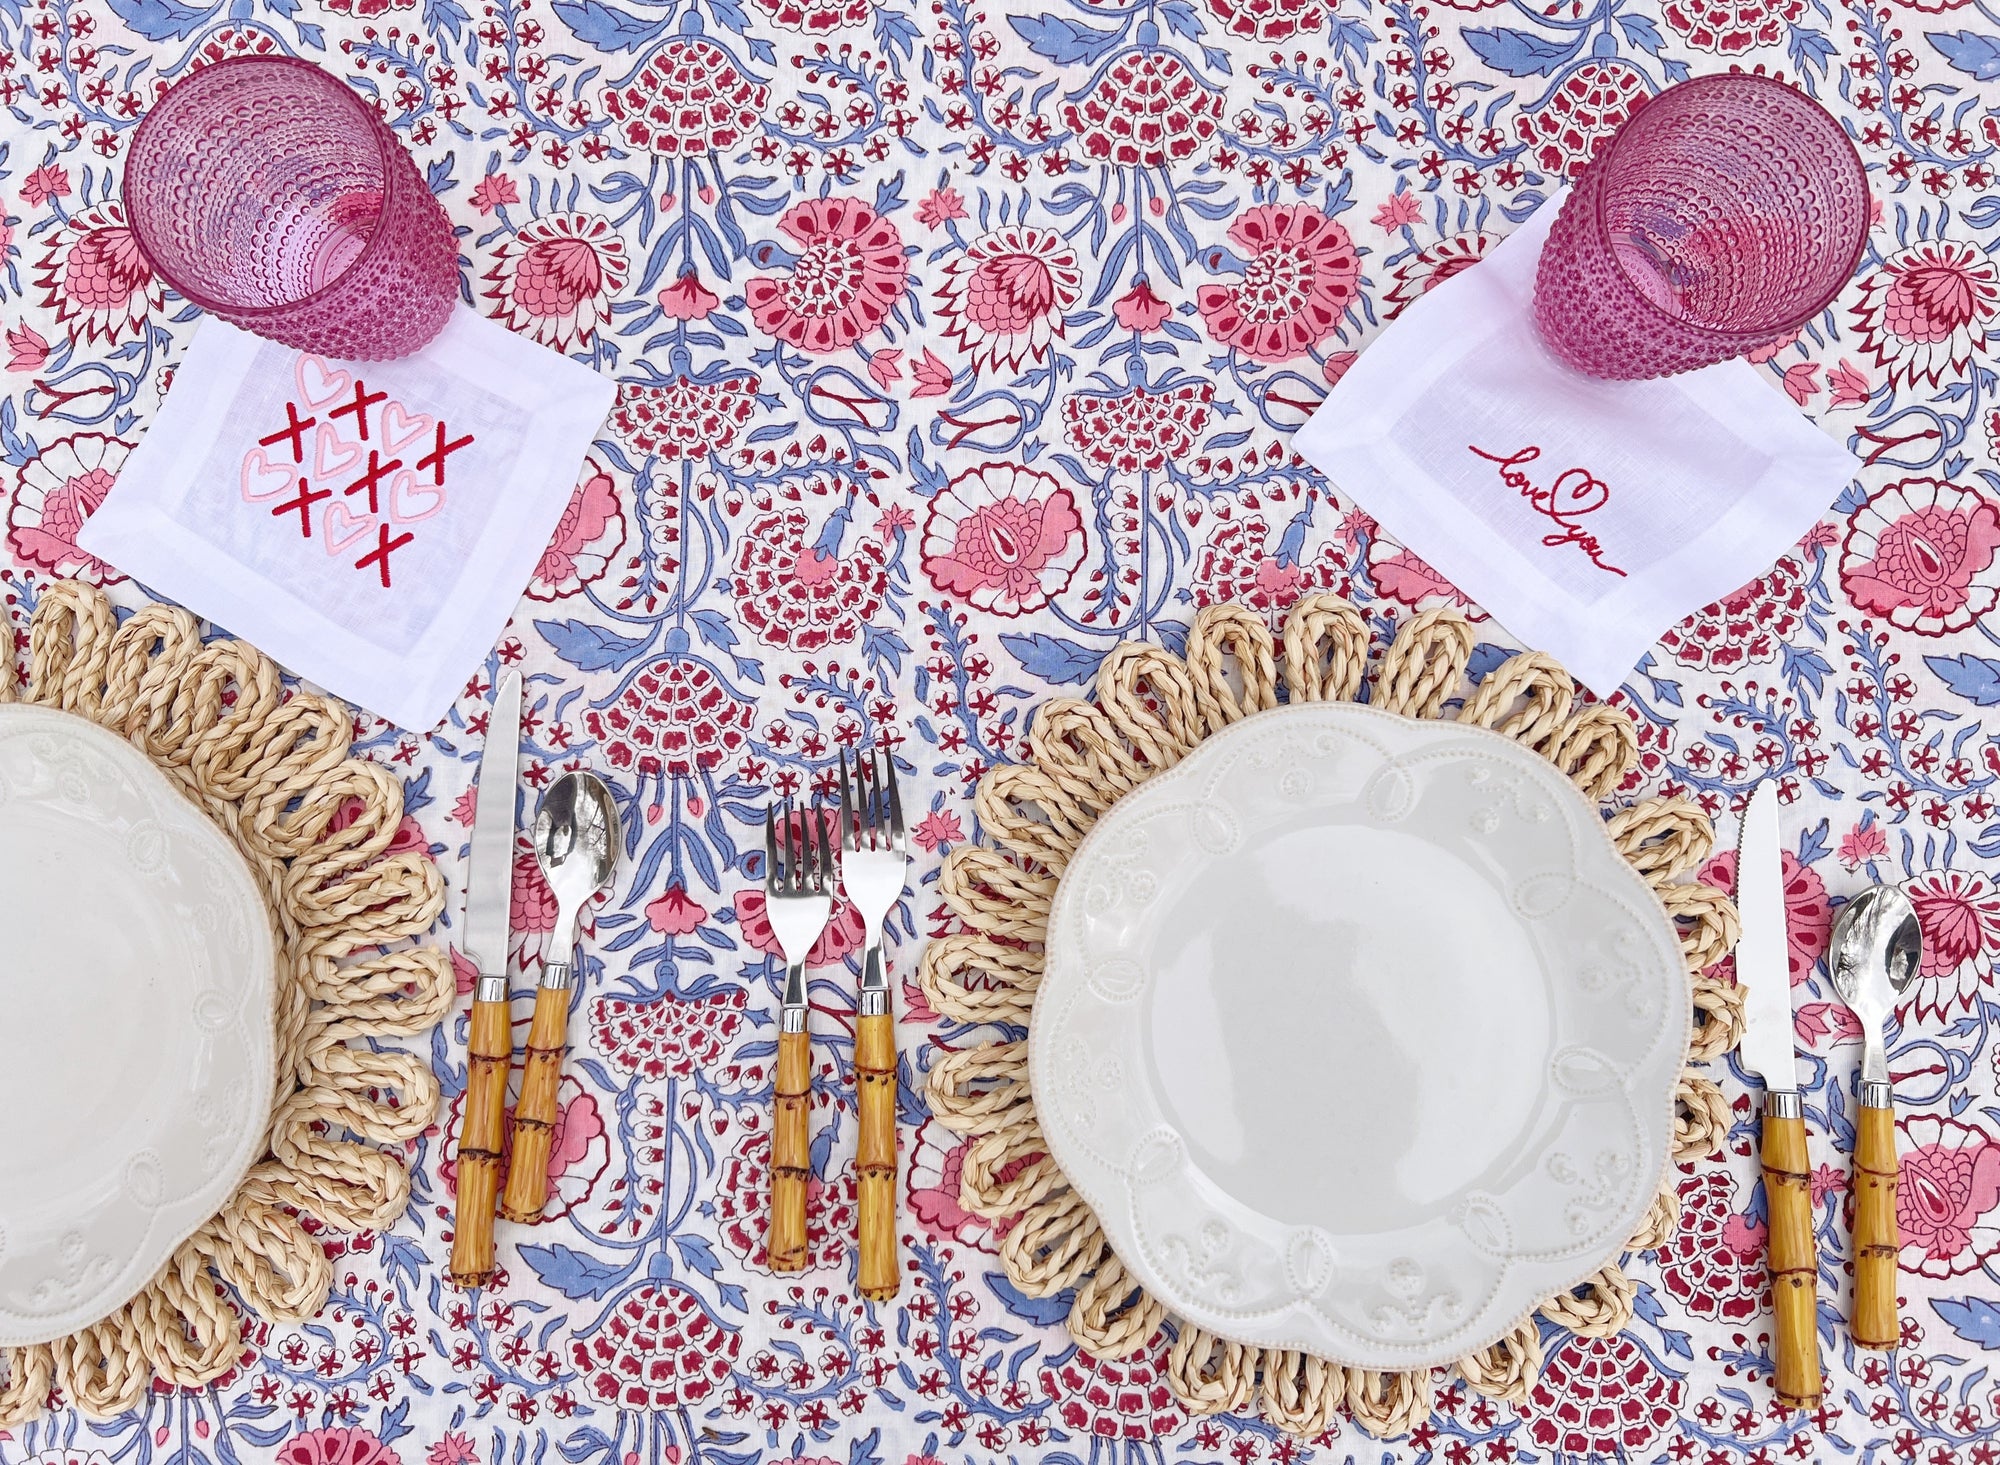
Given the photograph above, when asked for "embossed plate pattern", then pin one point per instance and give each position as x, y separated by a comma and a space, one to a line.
135, 1022
1359, 1035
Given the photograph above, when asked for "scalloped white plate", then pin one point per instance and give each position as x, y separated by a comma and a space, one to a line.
1359, 1035
135, 1022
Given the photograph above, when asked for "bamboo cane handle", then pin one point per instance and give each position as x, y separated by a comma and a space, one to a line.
489, 1051
791, 1153
1793, 1265
1875, 1234
536, 1111
875, 1078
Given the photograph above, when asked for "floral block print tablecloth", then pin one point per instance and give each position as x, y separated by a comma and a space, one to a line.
957, 341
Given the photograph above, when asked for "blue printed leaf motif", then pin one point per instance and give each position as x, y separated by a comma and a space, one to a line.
571, 1272
162, 20
1063, 41
1521, 53
1973, 1318
606, 28
1976, 55
1055, 659
1975, 678
590, 648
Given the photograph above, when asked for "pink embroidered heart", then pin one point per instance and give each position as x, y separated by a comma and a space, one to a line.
262, 479
409, 501
401, 430
320, 384
340, 530
333, 456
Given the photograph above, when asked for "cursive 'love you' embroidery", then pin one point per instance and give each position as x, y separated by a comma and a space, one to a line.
1575, 493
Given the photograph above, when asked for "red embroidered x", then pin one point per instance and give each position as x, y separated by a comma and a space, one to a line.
379, 555
434, 459
370, 480
308, 496
363, 400
294, 429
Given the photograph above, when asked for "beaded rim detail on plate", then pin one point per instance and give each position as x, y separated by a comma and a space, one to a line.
1151, 709
274, 774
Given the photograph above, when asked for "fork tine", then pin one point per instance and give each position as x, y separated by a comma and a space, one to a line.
847, 830
770, 851
829, 865
896, 836
791, 883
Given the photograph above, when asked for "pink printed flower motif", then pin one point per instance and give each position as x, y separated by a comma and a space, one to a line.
453, 1449
658, 1348
554, 279
44, 183
1408, 580
1731, 27
675, 913
688, 101
940, 206
802, 597
688, 299
1920, 553
58, 489
1138, 430
1116, 1399
1601, 1397
1927, 310
1003, 539
1146, 111
937, 830
668, 1037
1399, 211
1865, 843
93, 277
1709, 1266
1139, 309
1239, 565
674, 719
349, 1446
1588, 107
849, 274
1959, 911
1004, 299
685, 418
1745, 628
1950, 1181
936, 1161
579, 1151
1299, 276
27, 348
817, 17
1431, 266
493, 190
587, 538
1268, 22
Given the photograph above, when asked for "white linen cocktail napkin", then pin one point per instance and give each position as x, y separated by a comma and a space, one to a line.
1587, 517
369, 524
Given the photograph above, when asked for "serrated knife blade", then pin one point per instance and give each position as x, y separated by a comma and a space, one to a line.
1763, 951
489, 878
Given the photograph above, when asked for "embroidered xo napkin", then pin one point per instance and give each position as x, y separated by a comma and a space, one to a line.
1587, 517
370, 525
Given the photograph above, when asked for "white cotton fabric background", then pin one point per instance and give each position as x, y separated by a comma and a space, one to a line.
1704, 479
182, 519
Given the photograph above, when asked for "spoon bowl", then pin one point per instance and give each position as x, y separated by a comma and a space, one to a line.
1876, 950
576, 842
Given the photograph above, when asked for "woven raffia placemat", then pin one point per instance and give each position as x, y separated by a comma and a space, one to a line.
314, 825
1151, 708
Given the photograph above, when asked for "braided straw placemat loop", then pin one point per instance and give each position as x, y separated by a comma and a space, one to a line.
314, 825
1151, 709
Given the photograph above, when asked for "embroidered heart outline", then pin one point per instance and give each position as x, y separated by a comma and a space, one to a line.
410, 503
400, 428
318, 382
258, 463
340, 530
333, 455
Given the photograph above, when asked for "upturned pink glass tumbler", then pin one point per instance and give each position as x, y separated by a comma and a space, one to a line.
1725, 214
267, 192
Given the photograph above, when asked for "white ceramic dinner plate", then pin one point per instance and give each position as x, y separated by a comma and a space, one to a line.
1359, 1035
135, 1022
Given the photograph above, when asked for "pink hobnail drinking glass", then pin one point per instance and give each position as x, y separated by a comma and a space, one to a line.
267, 192
1726, 213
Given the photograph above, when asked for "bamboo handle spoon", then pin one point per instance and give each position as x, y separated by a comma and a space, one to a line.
576, 840
1877, 949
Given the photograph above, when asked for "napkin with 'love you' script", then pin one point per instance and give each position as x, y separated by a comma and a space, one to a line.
368, 524
1587, 517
